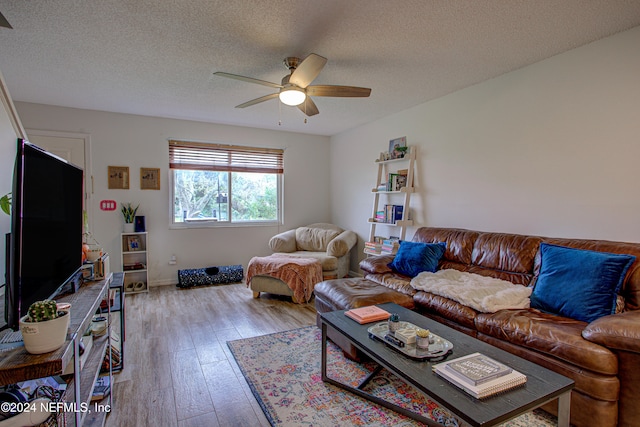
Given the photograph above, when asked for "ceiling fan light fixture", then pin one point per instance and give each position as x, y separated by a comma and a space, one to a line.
292, 96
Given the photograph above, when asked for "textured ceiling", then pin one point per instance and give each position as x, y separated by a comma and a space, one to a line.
157, 57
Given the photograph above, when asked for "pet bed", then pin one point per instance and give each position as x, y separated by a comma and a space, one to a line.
209, 276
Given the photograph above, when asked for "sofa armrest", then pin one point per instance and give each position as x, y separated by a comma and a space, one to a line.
284, 242
376, 264
342, 244
620, 331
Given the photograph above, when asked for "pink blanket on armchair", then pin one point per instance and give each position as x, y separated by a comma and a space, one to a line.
300, 274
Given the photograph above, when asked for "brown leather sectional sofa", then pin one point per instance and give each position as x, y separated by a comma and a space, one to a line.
602, 357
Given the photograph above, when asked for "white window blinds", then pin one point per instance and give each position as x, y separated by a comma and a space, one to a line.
224, 158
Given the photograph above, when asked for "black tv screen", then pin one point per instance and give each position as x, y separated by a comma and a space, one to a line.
45, 245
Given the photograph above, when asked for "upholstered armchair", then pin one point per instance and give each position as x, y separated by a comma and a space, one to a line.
328, 243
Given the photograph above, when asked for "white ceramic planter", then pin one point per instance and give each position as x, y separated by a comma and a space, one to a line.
129, 227
43, 337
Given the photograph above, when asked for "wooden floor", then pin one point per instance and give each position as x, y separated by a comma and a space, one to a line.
178, 368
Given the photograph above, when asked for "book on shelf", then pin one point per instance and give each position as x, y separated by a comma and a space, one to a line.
390, 246
112, 296
367, 314
479, 375
391, 180
393, 213
372, 251
372, 248
101, 388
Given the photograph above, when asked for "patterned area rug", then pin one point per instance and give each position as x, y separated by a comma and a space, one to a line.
283, 371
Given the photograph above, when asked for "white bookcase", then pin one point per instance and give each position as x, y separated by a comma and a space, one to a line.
392, 196
135, 257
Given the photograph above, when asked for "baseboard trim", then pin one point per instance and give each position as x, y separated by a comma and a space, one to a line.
166, 282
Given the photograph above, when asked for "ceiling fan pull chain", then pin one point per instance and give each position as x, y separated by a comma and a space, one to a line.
279, 113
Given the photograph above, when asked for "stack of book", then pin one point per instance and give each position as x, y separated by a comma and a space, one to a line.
390, 246
101, 388
393, 213
115, 355
373, 248
480, 375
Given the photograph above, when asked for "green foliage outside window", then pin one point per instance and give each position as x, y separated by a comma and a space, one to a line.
207, 196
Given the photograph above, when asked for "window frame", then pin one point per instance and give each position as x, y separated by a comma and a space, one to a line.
251, 165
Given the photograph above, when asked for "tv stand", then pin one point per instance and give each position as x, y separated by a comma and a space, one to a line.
17, 365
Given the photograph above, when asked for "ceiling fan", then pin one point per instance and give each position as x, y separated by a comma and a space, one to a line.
295, 89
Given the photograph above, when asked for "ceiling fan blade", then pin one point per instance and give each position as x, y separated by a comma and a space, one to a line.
338, 91
247, 79
309, 107
4, 22
308, 70
257, 100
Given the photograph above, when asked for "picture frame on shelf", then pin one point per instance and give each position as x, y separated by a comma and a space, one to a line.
133, 243
400, 183
118, 177
398, 147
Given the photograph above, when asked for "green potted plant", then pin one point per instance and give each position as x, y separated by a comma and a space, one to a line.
5, 203
129, 213
400, 152
44, 327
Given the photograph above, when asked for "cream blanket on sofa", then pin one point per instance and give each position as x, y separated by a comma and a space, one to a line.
484, 294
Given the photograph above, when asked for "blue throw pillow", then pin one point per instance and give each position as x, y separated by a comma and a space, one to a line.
413, 258
579, 284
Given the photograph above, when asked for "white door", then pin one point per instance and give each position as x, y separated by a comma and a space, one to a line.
74, 148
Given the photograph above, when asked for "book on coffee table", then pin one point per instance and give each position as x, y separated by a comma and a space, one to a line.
477, 368
367, 314
479, 375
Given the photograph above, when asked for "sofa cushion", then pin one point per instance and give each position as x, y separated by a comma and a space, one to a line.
413, 258
459, 242
344, 294
550, 334
446, 308
391, 280
376, 264
505, 252
577, 283
314, 239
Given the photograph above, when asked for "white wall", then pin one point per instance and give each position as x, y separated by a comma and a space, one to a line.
551, 149
10, 129
138, 141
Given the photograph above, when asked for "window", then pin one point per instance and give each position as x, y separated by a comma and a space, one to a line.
215, 184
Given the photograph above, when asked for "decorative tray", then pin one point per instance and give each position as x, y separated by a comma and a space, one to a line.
438, 346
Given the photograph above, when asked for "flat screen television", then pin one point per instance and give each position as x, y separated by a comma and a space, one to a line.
45, 245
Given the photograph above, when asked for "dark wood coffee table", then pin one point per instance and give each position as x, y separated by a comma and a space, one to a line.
542, 384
